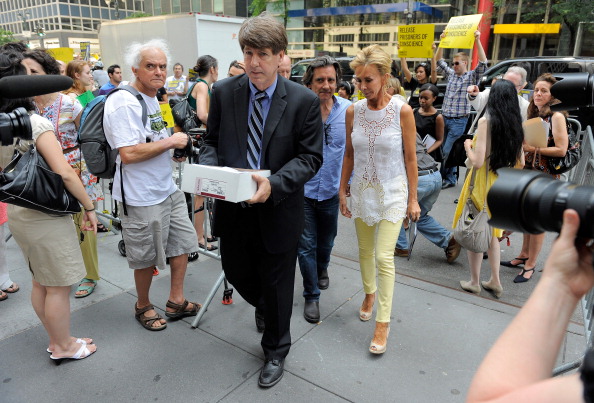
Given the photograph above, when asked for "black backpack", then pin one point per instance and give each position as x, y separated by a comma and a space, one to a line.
99, 156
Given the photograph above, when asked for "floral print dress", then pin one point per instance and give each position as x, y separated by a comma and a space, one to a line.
62, 113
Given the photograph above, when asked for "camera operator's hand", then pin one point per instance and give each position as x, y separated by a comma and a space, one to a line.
263, 192
178, 140
570, 262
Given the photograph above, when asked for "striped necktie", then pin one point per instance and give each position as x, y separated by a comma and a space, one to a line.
255, 130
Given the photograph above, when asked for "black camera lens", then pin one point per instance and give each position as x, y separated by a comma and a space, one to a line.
15, 124
532, 202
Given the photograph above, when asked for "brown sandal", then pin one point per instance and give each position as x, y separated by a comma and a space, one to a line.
148, 321
180, 309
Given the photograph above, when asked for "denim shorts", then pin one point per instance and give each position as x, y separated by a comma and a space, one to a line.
152, 233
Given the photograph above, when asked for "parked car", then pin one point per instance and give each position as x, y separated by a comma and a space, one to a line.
299, 68
535, 66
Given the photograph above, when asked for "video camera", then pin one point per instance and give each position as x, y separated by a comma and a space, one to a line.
17, 123
532, 202
195, 141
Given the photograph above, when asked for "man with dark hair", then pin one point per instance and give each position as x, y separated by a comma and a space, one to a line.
236, 68
260, 120
321, 192
115, 78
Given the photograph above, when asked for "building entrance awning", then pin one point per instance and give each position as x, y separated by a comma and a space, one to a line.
526, 29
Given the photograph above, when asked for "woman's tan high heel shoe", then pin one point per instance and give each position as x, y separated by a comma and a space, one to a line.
366, 315
379, 348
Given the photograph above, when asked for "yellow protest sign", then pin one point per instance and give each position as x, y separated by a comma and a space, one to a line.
167, 115
64, 54
416, 40
459, 32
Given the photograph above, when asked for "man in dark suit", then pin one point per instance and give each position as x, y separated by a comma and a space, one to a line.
260, 120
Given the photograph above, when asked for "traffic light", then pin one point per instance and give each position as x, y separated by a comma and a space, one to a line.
41, 30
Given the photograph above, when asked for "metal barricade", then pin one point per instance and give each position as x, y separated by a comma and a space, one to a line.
583, 174
207, 208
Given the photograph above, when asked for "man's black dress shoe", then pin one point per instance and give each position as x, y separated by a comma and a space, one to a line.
323, 280
311, 311
260, 324
447, 185
271, 373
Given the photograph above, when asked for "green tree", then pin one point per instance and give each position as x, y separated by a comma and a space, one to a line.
138, 14
281, 6
6, 36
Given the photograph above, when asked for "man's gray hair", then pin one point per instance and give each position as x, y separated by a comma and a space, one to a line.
321, 61
519, 71
263, 31
134, 51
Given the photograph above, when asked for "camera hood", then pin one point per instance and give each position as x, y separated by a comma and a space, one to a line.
574, 90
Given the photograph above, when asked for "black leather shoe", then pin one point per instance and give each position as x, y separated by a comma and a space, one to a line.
260, 324
447, 185
323, 280
271, 373
311, 311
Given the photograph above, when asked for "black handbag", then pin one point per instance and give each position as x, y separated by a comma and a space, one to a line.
184, 115
457, 154
29, 182
559, 165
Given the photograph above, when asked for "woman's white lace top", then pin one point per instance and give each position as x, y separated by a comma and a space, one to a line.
379, 189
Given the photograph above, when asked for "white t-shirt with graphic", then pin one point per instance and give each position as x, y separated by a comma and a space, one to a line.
148, 182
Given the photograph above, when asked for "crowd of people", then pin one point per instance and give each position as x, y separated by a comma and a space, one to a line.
379, 161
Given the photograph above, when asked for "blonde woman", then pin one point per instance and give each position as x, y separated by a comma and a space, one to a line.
380, 153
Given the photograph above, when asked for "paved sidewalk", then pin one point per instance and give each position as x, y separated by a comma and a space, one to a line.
438, 337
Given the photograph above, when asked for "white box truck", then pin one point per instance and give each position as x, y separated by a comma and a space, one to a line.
188, 35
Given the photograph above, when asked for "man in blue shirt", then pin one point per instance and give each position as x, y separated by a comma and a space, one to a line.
456, 108
321, 192
115, 78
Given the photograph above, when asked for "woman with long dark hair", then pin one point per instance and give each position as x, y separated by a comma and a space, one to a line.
49, 243
424, 73
503, 125
537, 159
207, 68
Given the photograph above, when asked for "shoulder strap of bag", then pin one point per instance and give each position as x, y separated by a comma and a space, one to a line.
190, 90
478, 115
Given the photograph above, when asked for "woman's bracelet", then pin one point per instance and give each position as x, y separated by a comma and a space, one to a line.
89, 210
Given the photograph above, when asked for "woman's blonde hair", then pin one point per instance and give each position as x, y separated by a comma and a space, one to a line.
373, 55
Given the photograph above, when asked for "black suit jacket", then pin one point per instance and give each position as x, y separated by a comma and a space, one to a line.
291, 150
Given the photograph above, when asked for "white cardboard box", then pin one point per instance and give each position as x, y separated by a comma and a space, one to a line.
224, 183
